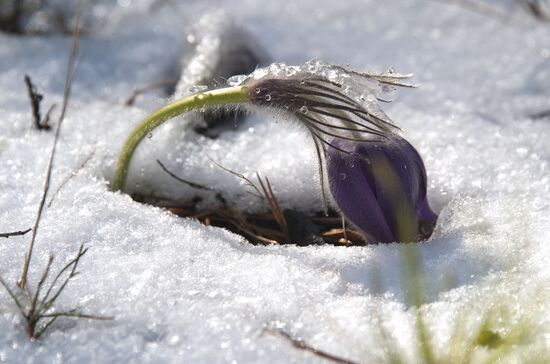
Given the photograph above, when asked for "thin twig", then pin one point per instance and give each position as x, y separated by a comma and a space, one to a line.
78, 315
300, 344
66, 94
35, 99
189, 183
14, 233
73, 264
45, 274
241, 176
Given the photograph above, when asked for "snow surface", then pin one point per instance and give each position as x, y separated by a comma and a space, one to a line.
183, 292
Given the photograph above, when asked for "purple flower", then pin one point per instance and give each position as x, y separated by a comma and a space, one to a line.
377, 178
380, 187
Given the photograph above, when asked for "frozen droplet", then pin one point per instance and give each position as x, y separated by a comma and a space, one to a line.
343, 176
197, 88
304, 109
268, 97
236, 80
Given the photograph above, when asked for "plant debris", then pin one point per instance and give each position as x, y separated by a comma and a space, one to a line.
272, 226
36, 98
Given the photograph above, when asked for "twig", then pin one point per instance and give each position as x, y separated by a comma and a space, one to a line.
67, 90
189, 183
78, 315
71, 175
35, 99
241, 176
301, 345
14, 233
47, 302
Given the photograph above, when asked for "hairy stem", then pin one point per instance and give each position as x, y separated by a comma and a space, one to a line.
229, 95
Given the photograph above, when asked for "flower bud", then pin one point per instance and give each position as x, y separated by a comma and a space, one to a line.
380, 187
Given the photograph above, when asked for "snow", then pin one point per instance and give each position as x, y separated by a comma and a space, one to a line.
183, 292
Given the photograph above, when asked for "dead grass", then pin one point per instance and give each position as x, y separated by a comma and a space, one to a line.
274, 225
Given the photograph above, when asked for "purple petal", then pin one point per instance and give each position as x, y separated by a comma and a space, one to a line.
380, 187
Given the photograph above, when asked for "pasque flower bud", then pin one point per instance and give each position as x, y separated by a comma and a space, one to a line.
379, 185
376, 178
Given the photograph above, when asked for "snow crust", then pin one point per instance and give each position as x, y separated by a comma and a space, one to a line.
183, 292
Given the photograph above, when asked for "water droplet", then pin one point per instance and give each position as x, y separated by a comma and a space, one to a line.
197, 88
268, 97
149, 136
304, 109
236, 80
343, 176
258, 90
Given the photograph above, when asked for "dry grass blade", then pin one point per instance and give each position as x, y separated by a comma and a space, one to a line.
241, 176
67, 90
47, 302
301, 345
14, 233
274, 205
189, 183
45, 274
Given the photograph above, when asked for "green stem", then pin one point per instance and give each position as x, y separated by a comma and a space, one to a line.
229, 95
